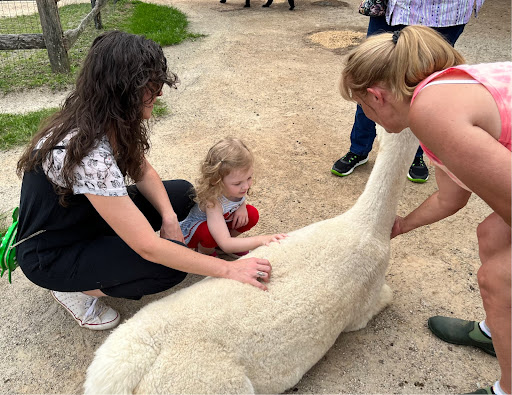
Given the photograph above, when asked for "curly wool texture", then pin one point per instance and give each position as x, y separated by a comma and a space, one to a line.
222, 336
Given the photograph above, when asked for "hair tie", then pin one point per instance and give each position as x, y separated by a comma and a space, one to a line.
396, 34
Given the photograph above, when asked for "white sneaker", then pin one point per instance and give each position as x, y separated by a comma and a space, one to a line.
89, 311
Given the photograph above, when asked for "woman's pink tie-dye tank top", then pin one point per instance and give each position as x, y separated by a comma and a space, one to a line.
497, 78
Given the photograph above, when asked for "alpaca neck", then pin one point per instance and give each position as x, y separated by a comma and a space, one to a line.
379, 200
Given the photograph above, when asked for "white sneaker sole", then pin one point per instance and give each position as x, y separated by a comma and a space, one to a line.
95, 327
362, 162
416, 180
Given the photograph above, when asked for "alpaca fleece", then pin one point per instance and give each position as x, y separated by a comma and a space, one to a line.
222, 336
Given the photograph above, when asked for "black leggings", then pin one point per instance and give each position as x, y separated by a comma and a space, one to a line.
109, 264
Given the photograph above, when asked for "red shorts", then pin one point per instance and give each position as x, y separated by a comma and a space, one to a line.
202, 234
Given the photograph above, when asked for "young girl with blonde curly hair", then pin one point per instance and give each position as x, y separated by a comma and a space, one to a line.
221, 212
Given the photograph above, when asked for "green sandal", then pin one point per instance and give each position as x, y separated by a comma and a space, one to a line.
462, 332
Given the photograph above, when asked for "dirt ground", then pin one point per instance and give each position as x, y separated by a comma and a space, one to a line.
258, 75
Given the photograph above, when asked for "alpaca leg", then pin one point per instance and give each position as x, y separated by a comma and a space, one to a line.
383, 299
268, 3
223, 1
247, 3
292, 4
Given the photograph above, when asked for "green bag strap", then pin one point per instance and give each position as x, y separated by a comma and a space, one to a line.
8, 259
7, 251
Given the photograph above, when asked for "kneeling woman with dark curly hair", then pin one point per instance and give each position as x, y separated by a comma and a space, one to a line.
83, 232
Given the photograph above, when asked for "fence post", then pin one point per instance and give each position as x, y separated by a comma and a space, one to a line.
97, 19
53, 36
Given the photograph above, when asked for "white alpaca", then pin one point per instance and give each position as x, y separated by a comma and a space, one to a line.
222, 336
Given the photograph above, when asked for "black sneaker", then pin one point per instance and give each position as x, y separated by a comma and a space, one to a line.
346, 165
418, 172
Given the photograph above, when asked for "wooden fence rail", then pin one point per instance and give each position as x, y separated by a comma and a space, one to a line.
22, 41
53, 39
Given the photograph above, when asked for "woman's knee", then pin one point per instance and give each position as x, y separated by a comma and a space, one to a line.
493, 237
486, 277
159, 278
146, 286
181, 194
173, 278
494, 281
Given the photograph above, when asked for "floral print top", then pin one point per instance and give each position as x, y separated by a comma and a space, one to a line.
97, 173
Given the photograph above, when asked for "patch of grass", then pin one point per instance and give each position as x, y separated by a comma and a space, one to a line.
165, 25
18, 129
160, 109
31, 68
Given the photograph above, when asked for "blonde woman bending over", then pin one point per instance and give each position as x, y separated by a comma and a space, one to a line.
462, 116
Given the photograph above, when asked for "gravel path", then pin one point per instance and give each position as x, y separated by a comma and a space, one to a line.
258, 75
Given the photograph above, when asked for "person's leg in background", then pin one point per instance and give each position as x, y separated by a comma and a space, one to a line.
450, 33
418, 171
363, 131
361, 142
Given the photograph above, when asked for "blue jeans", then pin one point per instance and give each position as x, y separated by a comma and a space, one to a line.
363, 132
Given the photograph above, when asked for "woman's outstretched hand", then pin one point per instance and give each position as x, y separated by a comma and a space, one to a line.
250, 270
397, 228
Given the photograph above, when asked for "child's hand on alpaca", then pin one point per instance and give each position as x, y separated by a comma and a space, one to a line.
240, 217
267, 239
